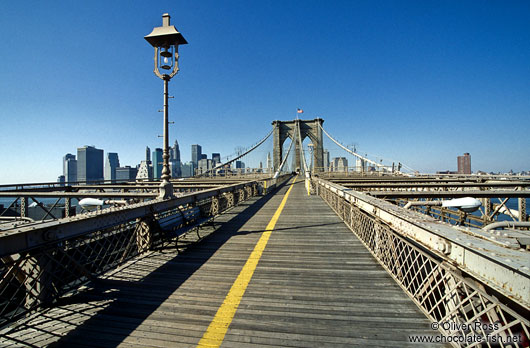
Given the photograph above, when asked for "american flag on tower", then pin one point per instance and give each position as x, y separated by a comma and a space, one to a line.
299, 111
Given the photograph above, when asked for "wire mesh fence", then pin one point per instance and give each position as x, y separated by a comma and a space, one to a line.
463, 309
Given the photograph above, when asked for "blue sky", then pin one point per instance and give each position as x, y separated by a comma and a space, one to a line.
419, 82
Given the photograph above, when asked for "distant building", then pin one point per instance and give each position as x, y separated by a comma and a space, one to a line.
339, 164
174, 152
446, 172
204, 156
176, 169
196, 153
89, 164
239, 166
126, 173
269, 163
60, 180
147, 154
360, 165
70, 168
204, 165
464, 164
326, 161
158, 162
216, 158
111, 163
174, 161
187, 169
144, 171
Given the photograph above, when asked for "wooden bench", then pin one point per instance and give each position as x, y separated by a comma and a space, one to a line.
177, 224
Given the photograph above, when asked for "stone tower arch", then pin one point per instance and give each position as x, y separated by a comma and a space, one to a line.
308, 128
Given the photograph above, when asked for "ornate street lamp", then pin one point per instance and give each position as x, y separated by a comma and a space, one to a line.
166, 40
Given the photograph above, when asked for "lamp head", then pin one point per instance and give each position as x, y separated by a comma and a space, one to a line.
166, 40
166, 35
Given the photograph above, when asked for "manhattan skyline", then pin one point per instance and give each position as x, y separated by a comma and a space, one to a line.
417, 82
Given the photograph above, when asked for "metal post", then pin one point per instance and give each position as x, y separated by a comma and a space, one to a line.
522, 209
67, 206
24, 206
166, 188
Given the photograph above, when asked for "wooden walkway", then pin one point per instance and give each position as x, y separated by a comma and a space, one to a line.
315, 286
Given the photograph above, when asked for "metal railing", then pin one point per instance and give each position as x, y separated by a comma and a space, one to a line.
41, 262
465, 306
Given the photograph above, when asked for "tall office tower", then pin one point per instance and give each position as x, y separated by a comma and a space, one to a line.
69, 168
89, 164
175, 152
326, 161
147, 154
269, 163
174, 161
204, 156
111, 163
158, 162
196, 153
464, 164
216, 158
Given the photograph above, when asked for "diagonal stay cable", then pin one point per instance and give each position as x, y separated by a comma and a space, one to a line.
238, 157
354, 153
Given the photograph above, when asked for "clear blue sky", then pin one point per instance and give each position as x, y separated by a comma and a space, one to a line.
415, 81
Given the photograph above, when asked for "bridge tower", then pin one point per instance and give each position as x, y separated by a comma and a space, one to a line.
288, 129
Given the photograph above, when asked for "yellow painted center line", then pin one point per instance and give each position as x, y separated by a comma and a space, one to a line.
215, 334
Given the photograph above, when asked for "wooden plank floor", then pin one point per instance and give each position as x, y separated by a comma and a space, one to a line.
315, 286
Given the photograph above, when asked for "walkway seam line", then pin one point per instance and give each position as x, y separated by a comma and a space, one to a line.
215, 334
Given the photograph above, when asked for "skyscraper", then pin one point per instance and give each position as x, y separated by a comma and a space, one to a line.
196, 154
147, 154
174, 161
158, 162
464, 164
175, 152
111, 163
326, 161
89, 164
216, 158
70, 168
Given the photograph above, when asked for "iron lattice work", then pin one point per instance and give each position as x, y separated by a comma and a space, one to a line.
35, 277
459, 304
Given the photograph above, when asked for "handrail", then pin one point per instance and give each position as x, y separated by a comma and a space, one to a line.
28, 237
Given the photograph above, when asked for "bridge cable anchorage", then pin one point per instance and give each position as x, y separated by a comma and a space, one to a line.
238, 157
284, 159
379, 165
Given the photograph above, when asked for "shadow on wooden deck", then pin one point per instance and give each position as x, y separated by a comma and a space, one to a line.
122, 300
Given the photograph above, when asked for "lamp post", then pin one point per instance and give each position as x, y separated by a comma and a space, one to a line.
166, 40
